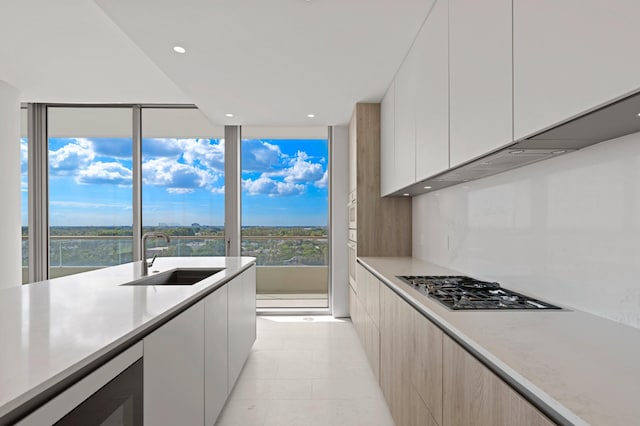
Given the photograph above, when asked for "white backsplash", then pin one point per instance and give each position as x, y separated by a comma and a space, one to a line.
566, 230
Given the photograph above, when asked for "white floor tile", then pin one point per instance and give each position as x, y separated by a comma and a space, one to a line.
243, 412
303, 372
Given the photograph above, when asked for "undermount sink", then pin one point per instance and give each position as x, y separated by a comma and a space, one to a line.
176, 277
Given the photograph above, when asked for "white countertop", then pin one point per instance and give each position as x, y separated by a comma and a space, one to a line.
583, 367
52, 329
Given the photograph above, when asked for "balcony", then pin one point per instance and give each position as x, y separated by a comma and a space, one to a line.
292, 271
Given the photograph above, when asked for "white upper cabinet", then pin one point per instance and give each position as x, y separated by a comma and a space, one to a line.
405, 123
432, 93
571, 56
480, 55
387, 141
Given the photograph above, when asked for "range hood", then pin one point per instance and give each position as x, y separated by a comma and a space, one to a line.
611, 121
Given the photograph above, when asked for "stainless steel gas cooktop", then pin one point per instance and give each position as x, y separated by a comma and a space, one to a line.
464, 293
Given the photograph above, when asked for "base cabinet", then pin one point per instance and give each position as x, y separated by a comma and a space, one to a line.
242, 322
396, 345
216, 355
474, 395
428, 379
174, 371
192, 362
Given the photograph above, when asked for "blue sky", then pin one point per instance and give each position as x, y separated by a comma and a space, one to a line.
284, 182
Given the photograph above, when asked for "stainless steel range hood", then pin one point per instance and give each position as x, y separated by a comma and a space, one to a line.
611, 121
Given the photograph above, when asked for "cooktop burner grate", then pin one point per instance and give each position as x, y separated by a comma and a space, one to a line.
464, 293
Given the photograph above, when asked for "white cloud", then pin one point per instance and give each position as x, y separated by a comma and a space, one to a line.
303, 170
324, 180
202, 151
266, 186
180, 190
73, 156
178, 178
260, 156
101, 172
24, 156
80, 204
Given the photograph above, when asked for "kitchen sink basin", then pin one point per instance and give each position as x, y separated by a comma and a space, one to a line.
176, 277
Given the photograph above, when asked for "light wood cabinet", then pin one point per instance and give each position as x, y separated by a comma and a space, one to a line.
432, 94
174, 371
216, 386
365, 309
383, 224
480, 58
571, 56
372, 300
473, 395
378, 226
428, 379
387, 142
425, 363
241, 321
396, 369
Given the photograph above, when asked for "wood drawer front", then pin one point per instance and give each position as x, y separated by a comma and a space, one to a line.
473, 395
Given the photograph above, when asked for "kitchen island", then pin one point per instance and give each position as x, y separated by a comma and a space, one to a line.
573, 367
55, 332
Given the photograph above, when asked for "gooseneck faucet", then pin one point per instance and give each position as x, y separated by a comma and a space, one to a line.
145, 237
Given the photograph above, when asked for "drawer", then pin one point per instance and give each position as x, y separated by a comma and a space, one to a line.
353, 235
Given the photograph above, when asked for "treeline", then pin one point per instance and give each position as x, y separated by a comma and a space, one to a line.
193, 230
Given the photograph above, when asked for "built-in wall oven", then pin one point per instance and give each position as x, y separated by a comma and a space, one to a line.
353, 214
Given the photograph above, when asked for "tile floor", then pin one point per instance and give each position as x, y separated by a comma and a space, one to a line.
306, 373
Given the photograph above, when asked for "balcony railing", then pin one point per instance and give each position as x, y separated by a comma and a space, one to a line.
286, 264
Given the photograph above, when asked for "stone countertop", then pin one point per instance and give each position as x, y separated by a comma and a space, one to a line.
52, 329
577, 367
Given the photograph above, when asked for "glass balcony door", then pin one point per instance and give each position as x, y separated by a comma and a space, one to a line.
182, 182
90, 188
285, 219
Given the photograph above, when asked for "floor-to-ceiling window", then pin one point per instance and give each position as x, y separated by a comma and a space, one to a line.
285, 217
182, 182
24, 192
90, 188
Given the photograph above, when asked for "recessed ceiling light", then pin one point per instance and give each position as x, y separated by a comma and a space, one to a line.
427, 187
311, 115
228, 115
405, 194
179, 49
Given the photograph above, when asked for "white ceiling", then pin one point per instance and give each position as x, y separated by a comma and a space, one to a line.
70, 51
270, 62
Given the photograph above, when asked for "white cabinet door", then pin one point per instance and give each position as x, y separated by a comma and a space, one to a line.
174, 371
432, 93
216, 378
242, 321
387, 142
571, 56
481, 75
405, 123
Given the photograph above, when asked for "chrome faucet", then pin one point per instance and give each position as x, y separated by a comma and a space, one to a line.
145, 265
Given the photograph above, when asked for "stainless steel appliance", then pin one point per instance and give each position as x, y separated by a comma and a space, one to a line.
464, 293
119, 402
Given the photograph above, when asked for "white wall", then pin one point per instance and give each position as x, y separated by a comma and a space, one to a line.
566, 229
11, 259
339, 221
